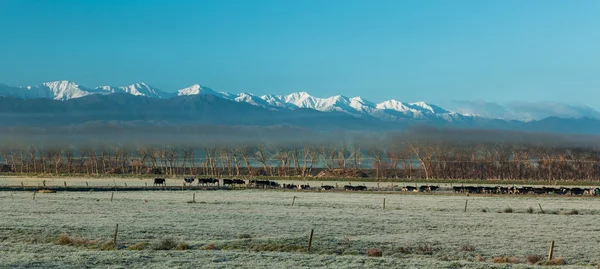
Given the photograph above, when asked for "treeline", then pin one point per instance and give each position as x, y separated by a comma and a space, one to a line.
388, 157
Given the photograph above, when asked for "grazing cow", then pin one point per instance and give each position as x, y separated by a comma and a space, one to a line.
206, 181
327, 187
264, 183
289, 186
159, 181
239, 182
188, 180
596, 191
303, 187
355, 188
455, 189
577, 191
538, 190
409, 188
227, 181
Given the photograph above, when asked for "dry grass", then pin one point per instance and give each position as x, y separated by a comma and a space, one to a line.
374, 252
64, 239
210, 246
169, 243
479, 258
45, 191
534, 259
139, 246
571, 212
555, 261
467, 248
244, 236
422, 248
506, 259
530, 210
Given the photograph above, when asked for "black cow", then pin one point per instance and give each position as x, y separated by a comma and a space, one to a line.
355, 188
409, 188
327, 187
264, 183
239, 182
233, 182
303, 187
188, 180
577, 191
289, 186
206, 181
159, 181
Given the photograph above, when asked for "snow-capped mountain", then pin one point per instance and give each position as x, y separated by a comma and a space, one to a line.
391, 110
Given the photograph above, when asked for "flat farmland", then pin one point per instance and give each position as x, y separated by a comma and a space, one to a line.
260, 228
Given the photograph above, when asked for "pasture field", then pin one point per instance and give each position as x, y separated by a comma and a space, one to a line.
260, 229
119, 181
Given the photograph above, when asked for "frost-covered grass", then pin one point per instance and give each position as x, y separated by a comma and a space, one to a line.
253, 228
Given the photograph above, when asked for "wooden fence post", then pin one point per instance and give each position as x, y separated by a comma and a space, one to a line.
383, 203
116, 234
194, 198
466, 202
310, 239
550, 252
112, 195
86, 184
33, 195
293, 200
65, 183
540, 205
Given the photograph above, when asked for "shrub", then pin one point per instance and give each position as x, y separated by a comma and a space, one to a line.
108, 245
508, 210
555, 261
64, 239
374, 252
533, 259
168, 243
530, 210
182, 245
484, 210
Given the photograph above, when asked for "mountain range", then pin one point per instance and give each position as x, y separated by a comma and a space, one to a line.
389, 110
65, 103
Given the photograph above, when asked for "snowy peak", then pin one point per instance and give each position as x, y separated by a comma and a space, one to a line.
59, 90
197, 89
143, 89
428, 107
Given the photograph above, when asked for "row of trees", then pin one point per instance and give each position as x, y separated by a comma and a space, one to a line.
389, 159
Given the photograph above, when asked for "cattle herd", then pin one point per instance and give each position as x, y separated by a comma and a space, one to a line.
527, 190
269, 184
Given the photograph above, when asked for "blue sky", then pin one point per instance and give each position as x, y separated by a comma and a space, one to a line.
437, 51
